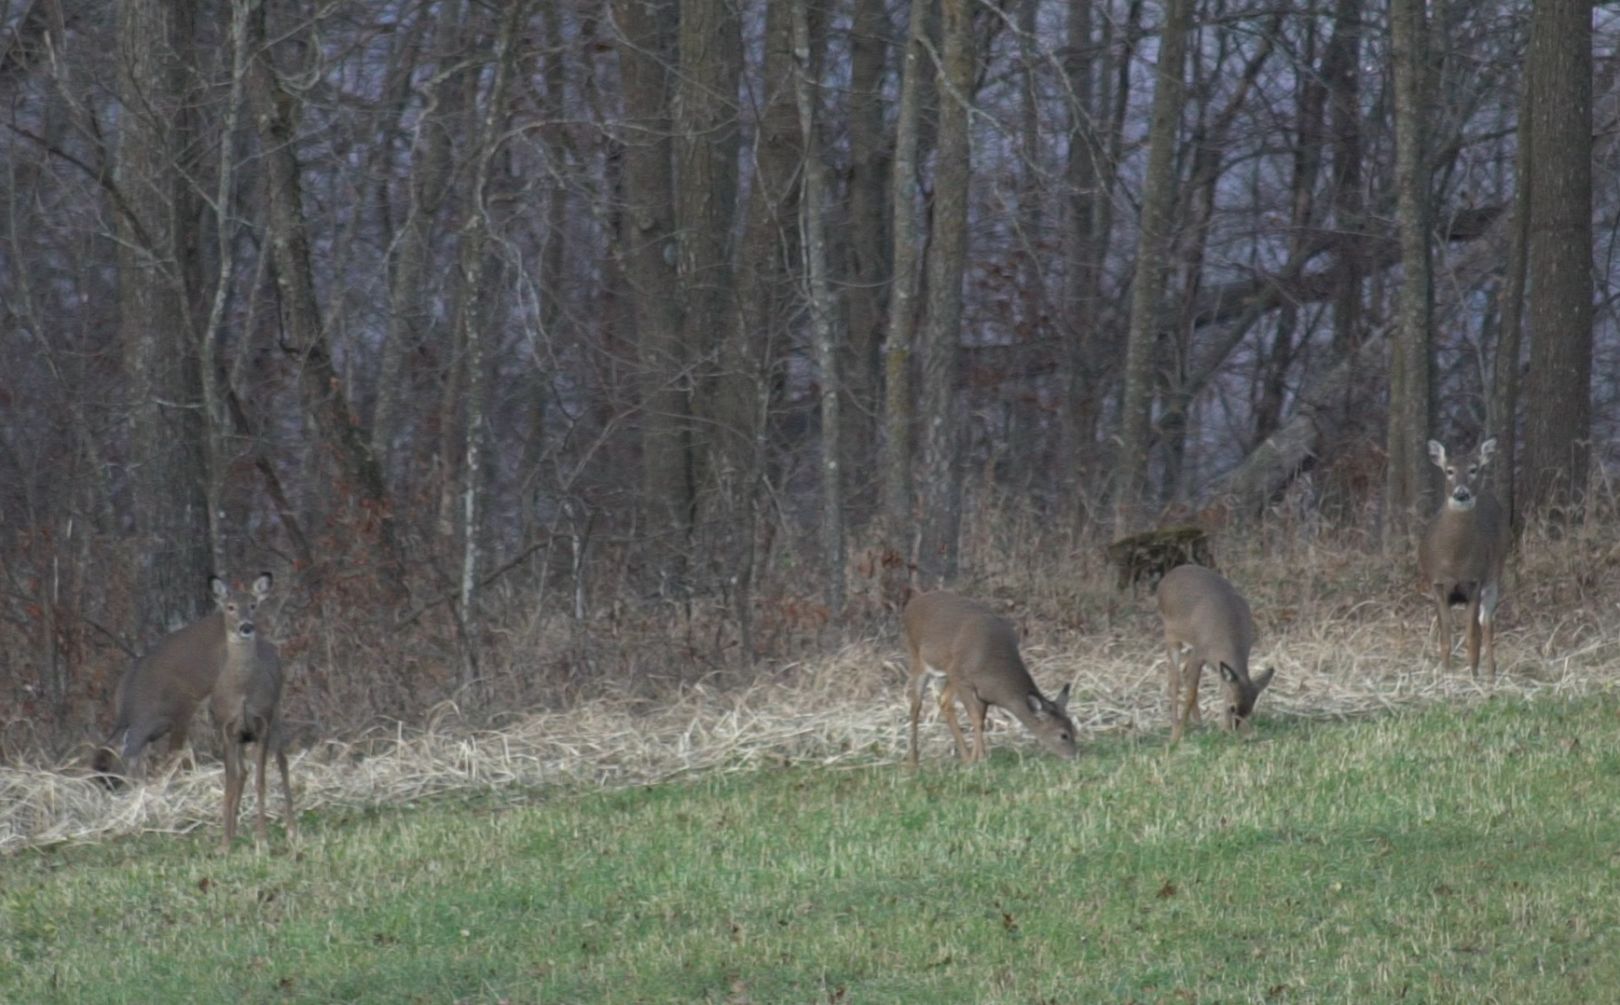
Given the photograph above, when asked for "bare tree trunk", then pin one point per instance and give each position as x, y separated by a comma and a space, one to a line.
765, 295
214, 379
1310, 137
706, 144
410, 292
647, 235
168, 419
1504, 402
1341, 68
812, 211
867, 252
324, 400
1153, 247
473, 268
941, 472
1178, 389
1558, 425
901, 326
1082, 260
1406, 494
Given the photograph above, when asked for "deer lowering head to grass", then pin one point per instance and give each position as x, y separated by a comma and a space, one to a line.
1462, 553
976, 651
246, 703
1205, 613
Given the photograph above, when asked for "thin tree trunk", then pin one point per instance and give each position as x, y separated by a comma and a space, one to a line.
900, 328
324, 400
168, 420
473, 268
706, 146
410, 291
647, 236
941, 472
1558, 425
868, 254
1504, 402
812, 211
1153, 247
1410, 378
215, 386
1310, 138
1342, 72
1341, 67
1082, 258
764, 296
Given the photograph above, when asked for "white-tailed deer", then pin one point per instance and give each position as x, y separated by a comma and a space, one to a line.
159, 693
1204, 612
976, 651
246, 703
1462, 553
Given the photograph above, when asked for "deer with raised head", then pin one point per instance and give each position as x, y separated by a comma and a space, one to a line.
160, 692
246, 703
213, 658
976, 651
1206, 613
1462, 553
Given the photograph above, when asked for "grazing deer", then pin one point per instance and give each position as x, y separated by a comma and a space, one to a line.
976, 651
1462, 553
246, 702
1204, 612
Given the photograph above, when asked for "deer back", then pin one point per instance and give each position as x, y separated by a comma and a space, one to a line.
1205, 612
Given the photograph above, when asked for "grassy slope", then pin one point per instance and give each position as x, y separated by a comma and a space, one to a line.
1441, 855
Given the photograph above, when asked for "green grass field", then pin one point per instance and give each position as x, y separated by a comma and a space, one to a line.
1444, 855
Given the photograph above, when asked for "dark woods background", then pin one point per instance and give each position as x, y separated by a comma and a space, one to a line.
553, 344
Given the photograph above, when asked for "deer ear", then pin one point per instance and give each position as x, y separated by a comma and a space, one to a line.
1062, 699
1437, 453
218, 587
1228, 674
1264, 679
1486, 449
261, 586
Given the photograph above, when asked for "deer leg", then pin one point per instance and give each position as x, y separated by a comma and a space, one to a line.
1188, 674
976, 710
286, 781
919, 680
1189, 681
1442, 596
1189, 704
947, 708
258, 786
177, 744
1489, 594
1473, 632
233, 783
1172, 674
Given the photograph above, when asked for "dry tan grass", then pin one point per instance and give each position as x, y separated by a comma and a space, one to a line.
1343, 623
